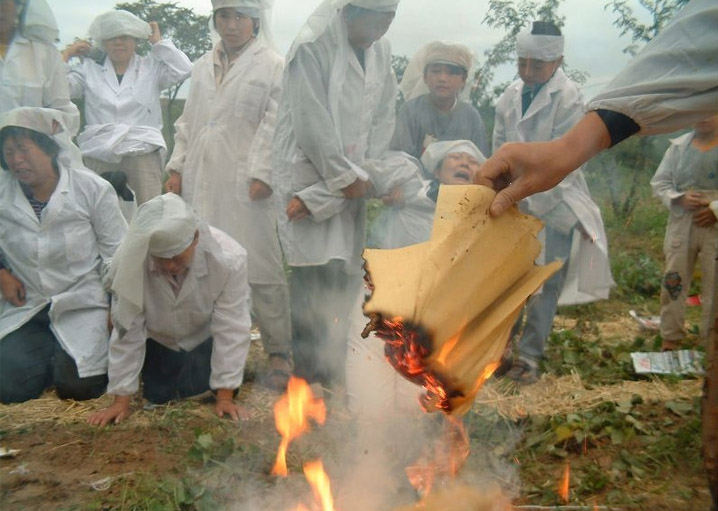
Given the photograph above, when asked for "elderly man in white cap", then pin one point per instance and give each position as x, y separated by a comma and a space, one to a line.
180, 310
436, 107
122, 98
543, 105
221, 163
337, 110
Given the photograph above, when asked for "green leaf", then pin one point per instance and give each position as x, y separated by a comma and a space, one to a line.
563, 433
680, 408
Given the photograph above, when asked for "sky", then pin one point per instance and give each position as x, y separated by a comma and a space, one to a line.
593, 44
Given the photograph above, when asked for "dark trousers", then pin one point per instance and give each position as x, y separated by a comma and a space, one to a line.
31, 360
321, 299
168, 375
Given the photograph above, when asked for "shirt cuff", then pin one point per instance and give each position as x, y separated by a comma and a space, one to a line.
619, 126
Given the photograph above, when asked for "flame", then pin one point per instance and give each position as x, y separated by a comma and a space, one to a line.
564, 484
291, 414
319, 481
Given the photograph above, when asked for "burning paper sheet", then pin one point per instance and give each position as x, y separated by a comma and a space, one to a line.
446, 307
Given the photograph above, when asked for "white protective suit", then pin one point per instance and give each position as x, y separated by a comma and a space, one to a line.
333, 116
124, 119
62, 258
554, 110
32, 72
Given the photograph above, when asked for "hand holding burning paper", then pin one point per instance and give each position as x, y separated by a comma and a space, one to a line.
445, 307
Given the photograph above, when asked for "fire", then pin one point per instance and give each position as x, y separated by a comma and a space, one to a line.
319, 481
563, 484
291, 417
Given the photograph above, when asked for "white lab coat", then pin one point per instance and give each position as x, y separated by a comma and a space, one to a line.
33, 74
222, 142
212, 302
554, 110
125, 119
325, 140
62, 259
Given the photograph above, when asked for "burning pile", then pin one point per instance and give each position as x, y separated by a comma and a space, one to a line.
445, 307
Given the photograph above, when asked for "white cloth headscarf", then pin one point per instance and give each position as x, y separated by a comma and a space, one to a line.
412, 83
436, 152
162, 227
37, 22
258, 9
47, 121
539, 47
118, 23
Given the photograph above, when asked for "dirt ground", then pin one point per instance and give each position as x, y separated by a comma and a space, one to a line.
144, 463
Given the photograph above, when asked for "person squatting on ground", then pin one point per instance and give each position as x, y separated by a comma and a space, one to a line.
222, 166
180, 308
669, 85
436, 106
121, 92
542, 105
59, 227
686, 181
337, 110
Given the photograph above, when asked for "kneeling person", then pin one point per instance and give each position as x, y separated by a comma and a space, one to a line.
180, 310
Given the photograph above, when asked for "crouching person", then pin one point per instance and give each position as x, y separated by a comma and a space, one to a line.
180, 308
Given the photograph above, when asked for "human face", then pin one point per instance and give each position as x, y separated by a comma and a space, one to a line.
367, 28
535, 72
458, 169
28, 162
180, 263
233, 27
707, 126
444, 81
120, 49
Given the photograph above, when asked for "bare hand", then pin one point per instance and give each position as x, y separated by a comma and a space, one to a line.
704, 217
296, 209
259, 190
156, 35
231, 409
77, 49
395, 198
12, 289
357, 189
118, 411
692, 200
174, 183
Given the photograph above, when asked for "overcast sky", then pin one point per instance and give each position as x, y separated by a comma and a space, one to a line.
593, 45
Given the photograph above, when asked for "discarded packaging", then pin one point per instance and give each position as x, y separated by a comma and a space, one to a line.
668, 362
650, 323
8, 453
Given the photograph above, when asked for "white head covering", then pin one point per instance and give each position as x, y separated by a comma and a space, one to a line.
258, 9
412, 83
539, 47
376, 5
37, 22
47, 121
117, 23
436, 152
162, 227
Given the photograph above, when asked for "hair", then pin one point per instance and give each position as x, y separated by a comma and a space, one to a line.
255, 21
545, 28
47, 144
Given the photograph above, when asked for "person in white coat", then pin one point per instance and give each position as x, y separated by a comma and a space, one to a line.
59, 228
542, 105
221, 163
31, 70
337, 110
180, 308
686, 181
123, 130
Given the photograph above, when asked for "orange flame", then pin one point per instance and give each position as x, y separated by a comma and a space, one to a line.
564, 484
319, 481
291, 414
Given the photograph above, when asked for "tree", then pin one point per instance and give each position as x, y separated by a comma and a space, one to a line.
661, 11
185, 28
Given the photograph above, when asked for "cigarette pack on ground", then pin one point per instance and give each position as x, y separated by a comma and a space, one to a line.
445, 307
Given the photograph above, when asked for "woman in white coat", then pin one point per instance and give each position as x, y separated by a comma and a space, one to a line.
59, 227
543, 105
221, 163
122, 98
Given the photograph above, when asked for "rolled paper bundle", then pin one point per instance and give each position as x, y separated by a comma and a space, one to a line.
445, 307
